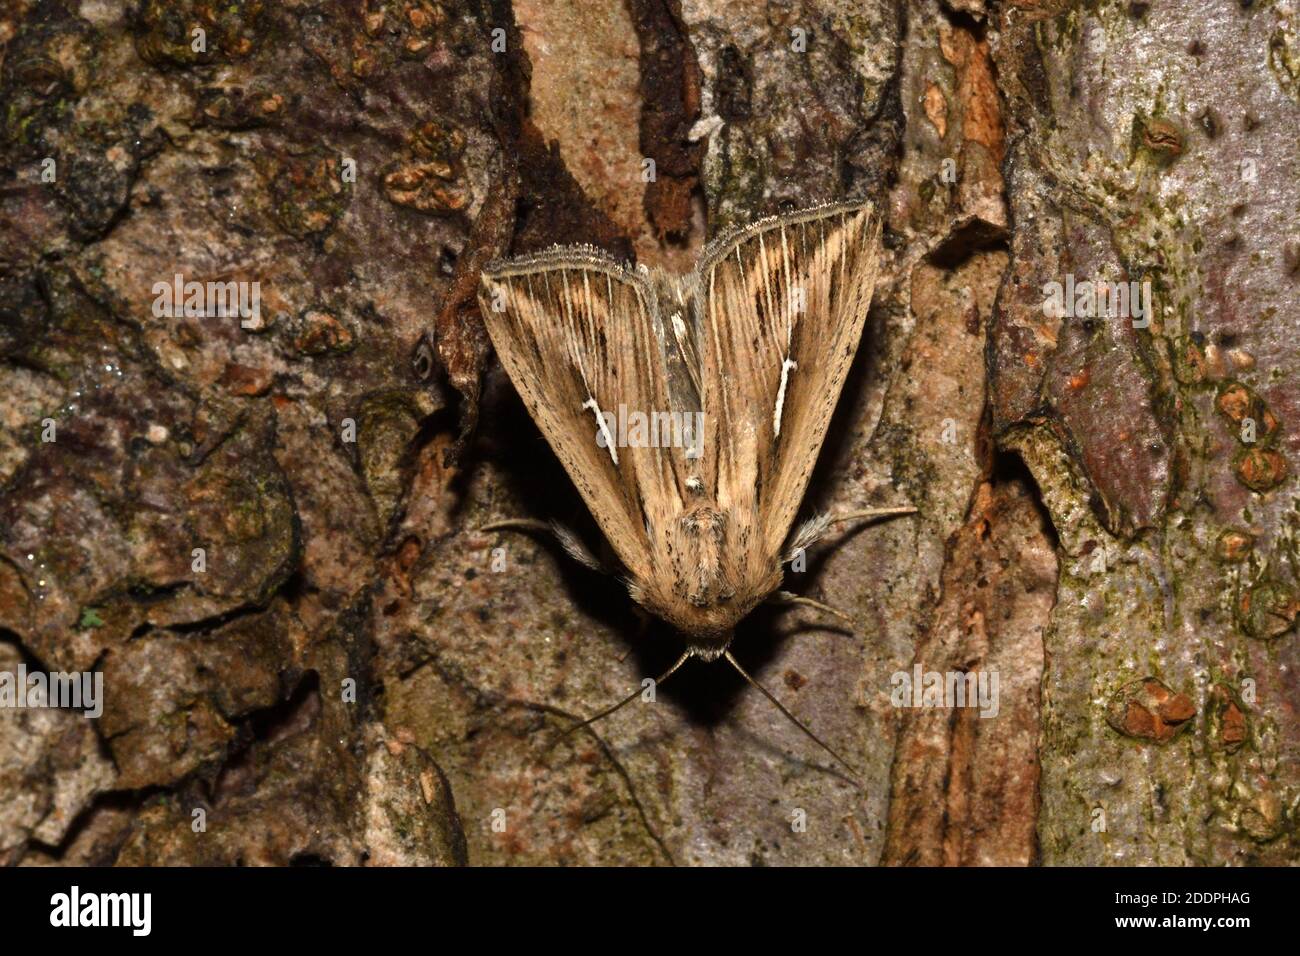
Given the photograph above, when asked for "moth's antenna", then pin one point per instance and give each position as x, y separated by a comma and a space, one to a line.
630, 697
785, 597
792, 718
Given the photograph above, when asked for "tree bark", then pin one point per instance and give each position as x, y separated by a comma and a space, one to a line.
263, 535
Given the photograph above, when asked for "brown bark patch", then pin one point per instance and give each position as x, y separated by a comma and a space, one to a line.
965, 788
1148, 709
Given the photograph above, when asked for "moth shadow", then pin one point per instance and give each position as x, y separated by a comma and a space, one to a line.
708, 691
864, 390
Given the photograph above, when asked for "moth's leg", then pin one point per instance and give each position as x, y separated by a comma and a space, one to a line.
569, 541
814, 528
873, 513
787, 599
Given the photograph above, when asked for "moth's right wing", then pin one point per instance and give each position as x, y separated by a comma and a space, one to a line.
579, 335
781, 305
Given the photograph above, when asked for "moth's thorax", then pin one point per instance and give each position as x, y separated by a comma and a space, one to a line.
706, 576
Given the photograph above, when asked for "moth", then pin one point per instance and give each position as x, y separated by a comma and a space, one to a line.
731, 372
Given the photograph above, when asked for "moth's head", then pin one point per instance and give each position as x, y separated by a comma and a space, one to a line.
704, 578
709, 628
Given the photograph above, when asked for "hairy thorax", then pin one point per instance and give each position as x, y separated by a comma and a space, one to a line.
705, 578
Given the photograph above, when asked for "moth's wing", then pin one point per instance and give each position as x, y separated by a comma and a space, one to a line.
580, 334
780, 308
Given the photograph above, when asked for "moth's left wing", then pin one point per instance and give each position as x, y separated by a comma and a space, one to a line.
580, 335
780, 308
